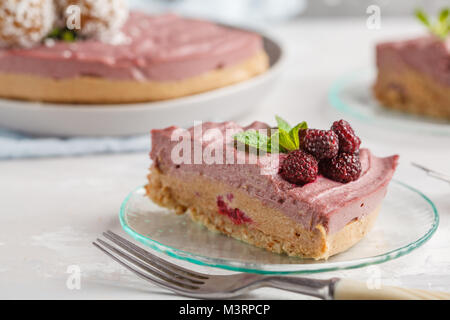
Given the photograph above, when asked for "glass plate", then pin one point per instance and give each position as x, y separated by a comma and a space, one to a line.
352, 96
179, 237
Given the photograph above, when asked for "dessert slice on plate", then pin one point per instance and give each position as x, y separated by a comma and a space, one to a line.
414, 74
304, 192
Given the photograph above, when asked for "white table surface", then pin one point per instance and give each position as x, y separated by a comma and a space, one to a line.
52, 209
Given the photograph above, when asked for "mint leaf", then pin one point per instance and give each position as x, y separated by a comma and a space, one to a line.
253, 139
283, 124
422, 17
286, 141
54, 33
439, 27
68, 36
444, 23
443, 15
294, 133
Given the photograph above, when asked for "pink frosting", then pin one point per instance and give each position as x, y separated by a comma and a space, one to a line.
161, 48
324, 201
429, 55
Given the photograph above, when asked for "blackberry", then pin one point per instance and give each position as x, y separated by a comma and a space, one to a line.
345, 167
322, 144
349, 142
299, 167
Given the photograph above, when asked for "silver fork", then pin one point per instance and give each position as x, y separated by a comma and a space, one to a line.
432, 173
199, 285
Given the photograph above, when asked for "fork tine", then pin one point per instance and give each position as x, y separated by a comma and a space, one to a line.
143, 275
155, 259
154, 272
145, 258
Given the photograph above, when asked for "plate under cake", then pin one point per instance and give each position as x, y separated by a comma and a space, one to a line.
242, 194
414, 76
159, 58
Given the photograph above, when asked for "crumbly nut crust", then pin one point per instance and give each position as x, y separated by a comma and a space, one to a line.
270, 228
412, 92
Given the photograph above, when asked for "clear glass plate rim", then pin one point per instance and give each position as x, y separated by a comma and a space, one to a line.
338, 104
278, 268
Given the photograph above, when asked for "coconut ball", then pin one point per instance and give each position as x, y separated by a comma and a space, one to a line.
99, 19
24, 23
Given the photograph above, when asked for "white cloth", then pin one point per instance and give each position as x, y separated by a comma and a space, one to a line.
15, 146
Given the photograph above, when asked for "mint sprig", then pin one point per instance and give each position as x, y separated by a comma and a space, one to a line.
440, 27
289, 138
285, 139
63, 34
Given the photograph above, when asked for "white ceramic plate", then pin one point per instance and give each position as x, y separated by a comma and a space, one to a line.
115, 120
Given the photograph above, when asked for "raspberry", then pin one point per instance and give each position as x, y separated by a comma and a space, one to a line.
322, 144
236, 215
299, 167
349, 142
344, 168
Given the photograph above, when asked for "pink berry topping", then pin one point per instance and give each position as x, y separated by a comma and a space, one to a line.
348, 141
346, 167
299, 167
322, 144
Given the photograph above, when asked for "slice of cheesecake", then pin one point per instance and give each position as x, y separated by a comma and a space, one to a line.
414, 76
242, 193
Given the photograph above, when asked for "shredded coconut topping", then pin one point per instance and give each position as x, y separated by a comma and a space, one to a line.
100, 19
25, 22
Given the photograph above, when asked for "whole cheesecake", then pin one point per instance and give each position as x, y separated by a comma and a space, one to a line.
158, 58
414, 76
247, 196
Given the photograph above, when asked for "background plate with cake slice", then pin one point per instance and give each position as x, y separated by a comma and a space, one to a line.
410, 90
121, 72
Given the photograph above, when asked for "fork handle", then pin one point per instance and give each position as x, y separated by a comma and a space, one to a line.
322, 289
354, 290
